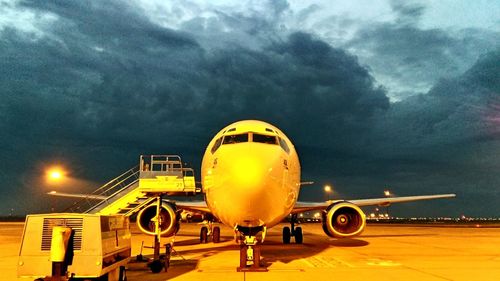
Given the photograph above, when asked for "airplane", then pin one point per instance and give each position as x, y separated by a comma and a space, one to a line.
251, 178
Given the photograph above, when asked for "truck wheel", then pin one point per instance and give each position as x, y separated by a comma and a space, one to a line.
156, 266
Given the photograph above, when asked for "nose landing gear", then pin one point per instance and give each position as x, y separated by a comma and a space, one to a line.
296, 232
250, 249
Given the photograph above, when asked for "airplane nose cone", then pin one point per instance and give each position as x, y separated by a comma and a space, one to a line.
246, 183
248, 172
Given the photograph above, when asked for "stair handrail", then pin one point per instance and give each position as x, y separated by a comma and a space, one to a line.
133, 171
105, 190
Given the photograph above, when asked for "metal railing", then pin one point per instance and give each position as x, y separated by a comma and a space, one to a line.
108, 190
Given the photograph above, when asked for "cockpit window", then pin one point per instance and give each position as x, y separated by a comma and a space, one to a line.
284, 145
230, 139
264, 139
217, 144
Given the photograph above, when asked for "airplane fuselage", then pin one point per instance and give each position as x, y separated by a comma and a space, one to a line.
250, 175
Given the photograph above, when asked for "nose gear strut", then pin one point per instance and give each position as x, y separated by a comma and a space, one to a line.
250, 251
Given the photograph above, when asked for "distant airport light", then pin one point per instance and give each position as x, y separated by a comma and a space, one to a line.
387, 193
328, 190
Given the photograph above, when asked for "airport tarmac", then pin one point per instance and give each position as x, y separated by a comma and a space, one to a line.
383, 252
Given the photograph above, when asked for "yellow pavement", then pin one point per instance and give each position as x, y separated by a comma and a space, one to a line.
383, 252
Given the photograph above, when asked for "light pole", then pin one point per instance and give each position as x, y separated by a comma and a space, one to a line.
387, 193
54, 176
328, 190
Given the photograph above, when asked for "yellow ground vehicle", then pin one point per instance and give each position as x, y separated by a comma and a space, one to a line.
68, 246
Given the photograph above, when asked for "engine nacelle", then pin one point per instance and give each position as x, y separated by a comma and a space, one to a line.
169, 219
343, 220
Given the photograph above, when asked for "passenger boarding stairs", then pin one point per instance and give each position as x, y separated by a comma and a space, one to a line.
138, 187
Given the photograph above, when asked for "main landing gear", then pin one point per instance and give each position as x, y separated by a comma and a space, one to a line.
296, 232
209, 230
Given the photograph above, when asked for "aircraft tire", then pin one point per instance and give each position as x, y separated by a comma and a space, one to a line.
204, 235
298, 235
216, 234
286, 235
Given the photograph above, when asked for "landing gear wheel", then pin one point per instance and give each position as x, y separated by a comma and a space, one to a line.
122, 274
238, 238
286, 235
156, 266
298, 235
204, 235
216, 234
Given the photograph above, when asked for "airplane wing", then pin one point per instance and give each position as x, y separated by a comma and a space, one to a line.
77, 195
386, 201
195, 206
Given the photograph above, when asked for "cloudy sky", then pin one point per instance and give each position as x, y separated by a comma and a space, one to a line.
399, 94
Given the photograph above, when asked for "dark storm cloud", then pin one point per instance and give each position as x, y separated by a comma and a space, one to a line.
444, 140
407, 12
415, 58
104, 84
453, 112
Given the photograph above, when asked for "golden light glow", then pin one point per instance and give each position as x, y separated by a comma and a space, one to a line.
55, 174
328, 188
387, 193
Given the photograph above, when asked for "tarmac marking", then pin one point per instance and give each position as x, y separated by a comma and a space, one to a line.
380, 262
428, 273
342, 262
216, 270
317, 262
322, 261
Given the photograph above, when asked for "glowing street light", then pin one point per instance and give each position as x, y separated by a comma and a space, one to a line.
55, 174
328, 190
387, 193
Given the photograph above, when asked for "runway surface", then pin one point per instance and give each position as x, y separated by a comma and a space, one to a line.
383, 252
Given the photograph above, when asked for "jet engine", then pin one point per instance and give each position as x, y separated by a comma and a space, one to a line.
169, 219
343, 220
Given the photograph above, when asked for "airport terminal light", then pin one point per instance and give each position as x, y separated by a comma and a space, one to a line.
387, 193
